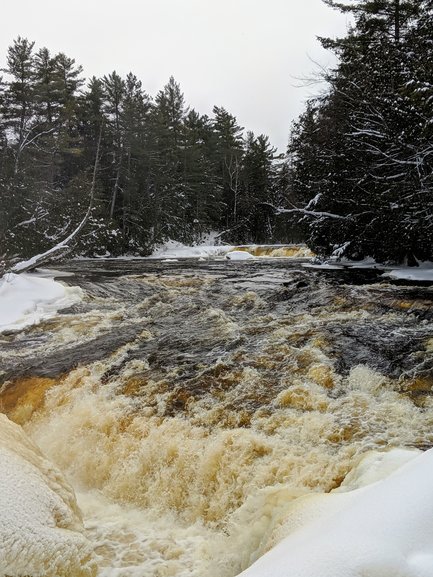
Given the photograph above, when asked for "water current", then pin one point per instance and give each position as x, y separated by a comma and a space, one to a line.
188, 403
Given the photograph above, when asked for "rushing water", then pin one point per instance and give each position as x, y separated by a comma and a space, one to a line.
189, 402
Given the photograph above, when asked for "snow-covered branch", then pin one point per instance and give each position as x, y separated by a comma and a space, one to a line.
305, 211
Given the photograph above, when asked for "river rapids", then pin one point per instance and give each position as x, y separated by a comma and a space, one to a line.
188, 403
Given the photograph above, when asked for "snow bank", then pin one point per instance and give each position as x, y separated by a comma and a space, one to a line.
375, 466
424, 272
27, 299
324, 266
40, 525
334, 263
380, 530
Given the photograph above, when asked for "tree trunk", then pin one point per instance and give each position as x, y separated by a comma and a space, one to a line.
397, 21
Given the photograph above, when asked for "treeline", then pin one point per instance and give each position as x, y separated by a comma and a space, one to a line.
357, 180
163, 171
362, 154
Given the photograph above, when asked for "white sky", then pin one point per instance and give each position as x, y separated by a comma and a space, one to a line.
245, 55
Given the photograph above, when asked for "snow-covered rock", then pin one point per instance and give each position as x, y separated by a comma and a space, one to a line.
26, 299
41, 532
384, 529
239, 255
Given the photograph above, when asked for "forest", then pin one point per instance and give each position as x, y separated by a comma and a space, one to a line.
362, 152
356, 180
163, 171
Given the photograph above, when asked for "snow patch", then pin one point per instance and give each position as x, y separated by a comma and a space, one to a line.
422, 272
337, 263
324, 266
26, 299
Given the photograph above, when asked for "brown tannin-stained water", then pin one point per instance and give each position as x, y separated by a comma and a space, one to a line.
189, 402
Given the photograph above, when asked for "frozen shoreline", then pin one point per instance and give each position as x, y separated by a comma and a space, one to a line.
28, 298
423, 272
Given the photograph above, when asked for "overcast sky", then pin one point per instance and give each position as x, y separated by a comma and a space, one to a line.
245, 55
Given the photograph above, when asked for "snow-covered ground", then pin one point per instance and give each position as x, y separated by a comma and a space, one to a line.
27, 299
383, 529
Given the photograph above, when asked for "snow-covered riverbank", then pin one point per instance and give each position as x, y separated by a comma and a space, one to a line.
28, 298
423, 272
382, 529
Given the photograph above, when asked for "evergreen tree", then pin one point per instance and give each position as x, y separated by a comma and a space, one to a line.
114, 91
354, 151
258, 182
167, 152
90, 116
18, 96
229, 154
135, 124
200, 177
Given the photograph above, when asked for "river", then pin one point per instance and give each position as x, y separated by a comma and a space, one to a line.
189, 402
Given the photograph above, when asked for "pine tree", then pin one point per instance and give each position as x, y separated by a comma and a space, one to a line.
200, 177
167, 162
258, 182
228, 156
114, 91
18, 96
135, 124
164, 171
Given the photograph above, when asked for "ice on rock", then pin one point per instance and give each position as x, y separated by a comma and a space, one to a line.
41, 532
